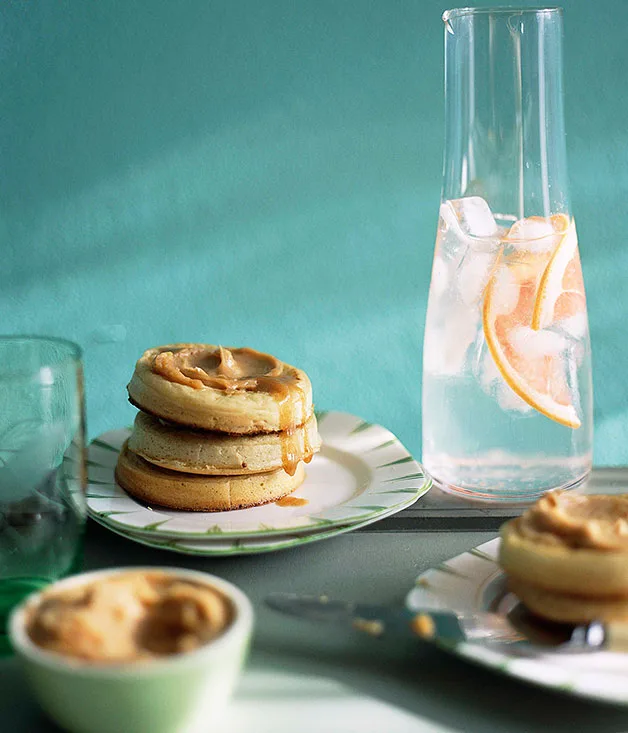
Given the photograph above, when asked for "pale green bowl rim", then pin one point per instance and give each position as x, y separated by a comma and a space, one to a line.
241, 626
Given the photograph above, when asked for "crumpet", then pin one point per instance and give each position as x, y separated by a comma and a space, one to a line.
238, 390
569, 609
215, 454
198, 493
566, 557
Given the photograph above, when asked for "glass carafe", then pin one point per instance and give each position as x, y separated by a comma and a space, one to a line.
507, 397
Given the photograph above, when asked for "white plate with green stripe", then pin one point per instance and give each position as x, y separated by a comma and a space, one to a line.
362, 473
474, 581
217, 545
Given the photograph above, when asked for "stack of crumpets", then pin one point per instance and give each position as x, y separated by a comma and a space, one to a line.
218, 428
567, 557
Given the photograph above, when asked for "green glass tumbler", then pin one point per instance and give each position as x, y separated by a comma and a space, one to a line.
42, 466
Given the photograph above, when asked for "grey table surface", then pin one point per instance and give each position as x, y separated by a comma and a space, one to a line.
378, 564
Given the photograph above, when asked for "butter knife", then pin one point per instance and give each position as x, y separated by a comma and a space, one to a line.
449, 627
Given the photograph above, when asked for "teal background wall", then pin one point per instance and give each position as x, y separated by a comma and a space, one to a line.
268, 174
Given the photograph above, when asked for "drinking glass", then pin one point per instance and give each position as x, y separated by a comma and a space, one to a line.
507, 397
42, 465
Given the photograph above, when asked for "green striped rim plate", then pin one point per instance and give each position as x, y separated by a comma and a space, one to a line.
243, 545
362, 473
474, 581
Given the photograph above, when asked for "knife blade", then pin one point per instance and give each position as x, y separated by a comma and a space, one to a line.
388, 620
443, 626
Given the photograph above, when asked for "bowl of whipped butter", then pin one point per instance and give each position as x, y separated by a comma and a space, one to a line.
148, 650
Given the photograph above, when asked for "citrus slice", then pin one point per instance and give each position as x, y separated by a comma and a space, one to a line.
561, 288
532, 369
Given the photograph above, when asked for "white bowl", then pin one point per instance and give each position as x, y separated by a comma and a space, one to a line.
182, 693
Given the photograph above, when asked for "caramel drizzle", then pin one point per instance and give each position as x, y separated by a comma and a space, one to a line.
292, 452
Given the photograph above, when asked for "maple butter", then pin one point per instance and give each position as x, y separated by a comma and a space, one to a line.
129, 617
595, 522
226, 369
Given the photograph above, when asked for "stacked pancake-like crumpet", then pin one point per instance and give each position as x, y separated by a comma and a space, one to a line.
218, 428
567, 557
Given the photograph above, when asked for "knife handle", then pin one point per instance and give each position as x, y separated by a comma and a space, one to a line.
616, 637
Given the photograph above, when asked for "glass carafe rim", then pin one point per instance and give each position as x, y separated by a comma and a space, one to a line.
499, 10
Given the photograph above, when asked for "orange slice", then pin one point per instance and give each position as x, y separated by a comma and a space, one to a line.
510, 302
561, 288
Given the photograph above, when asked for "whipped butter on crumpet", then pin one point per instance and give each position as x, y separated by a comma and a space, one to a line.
228, 369
231, 390
596, 522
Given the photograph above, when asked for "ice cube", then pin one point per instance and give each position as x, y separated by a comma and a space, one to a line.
534, 234
475, 217
494, 385
506, 292
578, 352
440, 277
447, 344
575, 326
533, 344
488, 374
450, 241
469, 239
473, 275
510, 401
449, 218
